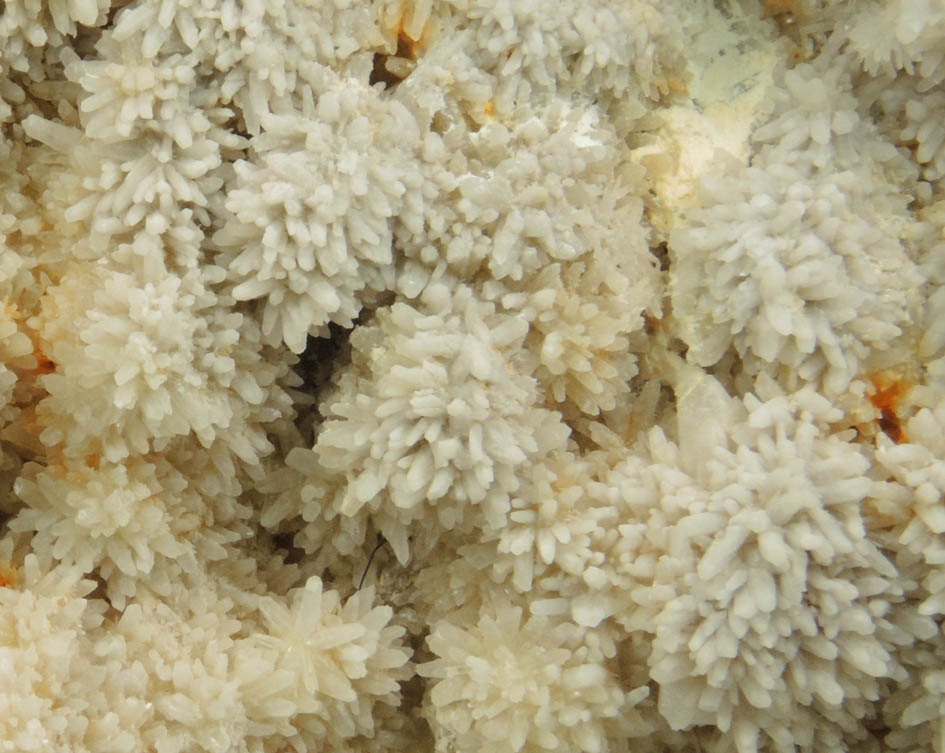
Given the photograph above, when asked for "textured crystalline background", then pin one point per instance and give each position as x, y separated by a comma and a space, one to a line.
472, 375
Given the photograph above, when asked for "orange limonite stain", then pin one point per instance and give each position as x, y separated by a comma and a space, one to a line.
407, 46
777, 7
44, 364
886, 399
8, 577
31, 422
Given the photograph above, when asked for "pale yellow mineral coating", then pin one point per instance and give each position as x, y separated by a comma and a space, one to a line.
728, 76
